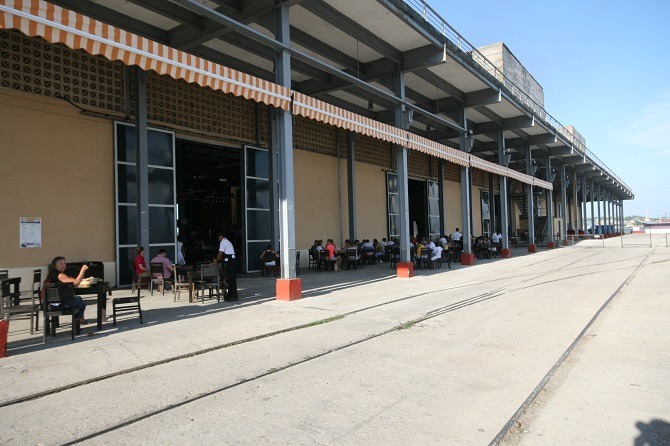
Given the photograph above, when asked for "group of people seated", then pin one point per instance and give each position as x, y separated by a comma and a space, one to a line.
352, 251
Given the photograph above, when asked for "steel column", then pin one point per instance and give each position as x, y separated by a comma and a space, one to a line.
531, 200
466, 210
285, 146
351, 184
564, 204
550, 201
504, 217
593, 195
273, 156
402, 121
600, 199
440, 191
142, 160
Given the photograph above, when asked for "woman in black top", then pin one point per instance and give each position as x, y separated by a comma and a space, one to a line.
57, 276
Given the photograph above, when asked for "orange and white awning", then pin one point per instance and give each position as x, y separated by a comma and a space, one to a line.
79, 32
313, 108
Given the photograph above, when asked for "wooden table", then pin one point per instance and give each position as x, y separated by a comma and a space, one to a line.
101, 289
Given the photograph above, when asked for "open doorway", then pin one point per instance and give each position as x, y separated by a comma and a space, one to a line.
416, 194
208, 198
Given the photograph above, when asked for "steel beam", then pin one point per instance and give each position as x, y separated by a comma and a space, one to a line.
142, 160
550, 202
401, 159
530, 197
504, 218
466, 209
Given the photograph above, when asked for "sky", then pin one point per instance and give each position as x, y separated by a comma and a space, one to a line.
605, 69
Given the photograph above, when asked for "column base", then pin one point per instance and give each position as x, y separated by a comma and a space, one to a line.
505, 253
565, 243
289, 289
550, 245
405, 270
532, 248
467, 259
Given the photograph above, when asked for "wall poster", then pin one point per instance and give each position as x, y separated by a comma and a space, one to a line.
30, 232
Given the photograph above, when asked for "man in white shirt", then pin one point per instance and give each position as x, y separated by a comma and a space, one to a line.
456, 236
227, 256
443, 241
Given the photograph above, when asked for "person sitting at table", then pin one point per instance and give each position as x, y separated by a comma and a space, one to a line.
56, 276
332, 254
168, 267
269, 259
140, 264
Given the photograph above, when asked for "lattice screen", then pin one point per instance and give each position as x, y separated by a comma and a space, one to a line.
314, 136
36, 66
200, 109
373, 151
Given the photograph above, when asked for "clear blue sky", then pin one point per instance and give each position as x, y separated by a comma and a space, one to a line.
605, 69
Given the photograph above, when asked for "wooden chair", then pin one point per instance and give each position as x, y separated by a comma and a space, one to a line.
313, 260
157, 277
180, 282
269, 269
140, 280
209, 279
325, 262
13, 305
424, 258
123, 305
297, 263
59, 301
351, 258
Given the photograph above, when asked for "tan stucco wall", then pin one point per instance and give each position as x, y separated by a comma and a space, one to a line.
452, 206
57, 164
476, 211
317, 203
371, 210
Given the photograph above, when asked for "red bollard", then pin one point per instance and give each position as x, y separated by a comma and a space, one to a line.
4, 328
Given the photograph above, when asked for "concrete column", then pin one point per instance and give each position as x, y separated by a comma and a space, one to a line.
405, 268
576, 219
142, 160
564, 204
289, 287
503, 158
530, 170
467, 258
550, 204
273, 155
351, 184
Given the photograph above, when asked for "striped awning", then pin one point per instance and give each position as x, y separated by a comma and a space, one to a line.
488, 166
79, 32
313, 108
436, 149
543, 184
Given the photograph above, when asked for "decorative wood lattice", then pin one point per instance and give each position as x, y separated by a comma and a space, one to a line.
36, 66
200, 109
452, 172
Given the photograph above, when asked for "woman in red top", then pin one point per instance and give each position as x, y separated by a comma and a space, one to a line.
140, 263
330, 247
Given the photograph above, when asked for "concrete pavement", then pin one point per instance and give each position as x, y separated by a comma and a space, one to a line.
365, 358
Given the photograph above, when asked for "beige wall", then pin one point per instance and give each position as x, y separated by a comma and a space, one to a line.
476, 211
452, 206
57, 164
371, 209
317, 203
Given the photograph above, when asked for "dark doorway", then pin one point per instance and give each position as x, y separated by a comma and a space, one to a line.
416, 192
208, 198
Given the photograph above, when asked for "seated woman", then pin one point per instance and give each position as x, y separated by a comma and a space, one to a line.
269, 259
57, 276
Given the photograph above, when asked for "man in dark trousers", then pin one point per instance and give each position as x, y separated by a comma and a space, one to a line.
227, 256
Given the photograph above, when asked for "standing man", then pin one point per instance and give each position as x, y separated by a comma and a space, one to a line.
227, 256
